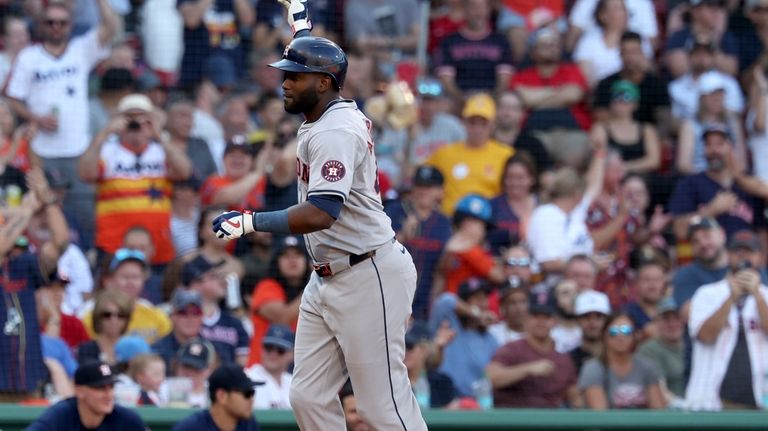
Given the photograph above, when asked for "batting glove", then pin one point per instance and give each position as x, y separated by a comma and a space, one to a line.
298, 14
233, 224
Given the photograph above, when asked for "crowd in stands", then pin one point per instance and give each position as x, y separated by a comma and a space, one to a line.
582, 185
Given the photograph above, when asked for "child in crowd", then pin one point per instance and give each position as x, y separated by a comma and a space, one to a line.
148, 371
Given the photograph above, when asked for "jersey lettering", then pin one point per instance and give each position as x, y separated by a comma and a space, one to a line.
371, 146
302, 171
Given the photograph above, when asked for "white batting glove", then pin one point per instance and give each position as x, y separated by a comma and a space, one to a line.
298, 14
233, 224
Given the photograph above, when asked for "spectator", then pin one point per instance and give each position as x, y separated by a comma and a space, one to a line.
205, 125
710, 261
566, 332
653, 103
530, 372
220, 327
420, 352
597, 51
636, 142
185, 215
473, 166
14, 141
231, 393
619, 379
92, 407
379, 28
514, 312
558, 230
243, 183
211, 248
703, 78
509, 130
127, 154
751, 39
15, 38
582, 269
422, 229
128, 271
434, 128
53, 321
636, 196
691, 158
354, 421
468, 315
264, 79
148, 371
115, 84
275, 359
475, 58
212, 38
757, 119
665, 351
162, 39
592, 309
553, 91
235, 119
465, 255
111, 313
641, 13
512, 209
650, 288
140, 239
517, 20
444, 21
196, 360
187, 318
705, 20
728, 324
179, 126
712, 193
58, 105
276, 298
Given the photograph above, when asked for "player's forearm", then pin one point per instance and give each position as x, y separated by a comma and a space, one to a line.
307, 218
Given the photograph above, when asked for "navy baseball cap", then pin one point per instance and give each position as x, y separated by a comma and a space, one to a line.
666, 305
472, 286
427, 175
95, 374
240, 143
183, 298
279, 335
698, 223
127, 255
290, 241
196, 353
541, 309
744, 240
230, 377
196, 268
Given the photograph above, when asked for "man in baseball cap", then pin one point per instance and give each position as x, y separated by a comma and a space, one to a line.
231, 393
276, 357
92, 407
187, 319
591, 308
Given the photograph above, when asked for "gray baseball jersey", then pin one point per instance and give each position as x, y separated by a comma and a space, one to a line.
335, 156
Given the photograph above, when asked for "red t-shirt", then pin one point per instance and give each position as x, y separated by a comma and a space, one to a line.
439, 28
253, 200
475, 262
266, 291
72, 331
534, 392
566, 74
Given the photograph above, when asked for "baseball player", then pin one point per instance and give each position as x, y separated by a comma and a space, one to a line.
353, 313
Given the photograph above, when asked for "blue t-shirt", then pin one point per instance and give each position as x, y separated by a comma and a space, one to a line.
693, 191
637, 314
167, 348
63, 416
507, 230
202, 421
56, 348
465, 358
425, 249
22, 369
228, 337
682, 39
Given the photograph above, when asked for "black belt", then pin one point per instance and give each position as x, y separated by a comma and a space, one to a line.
324, 269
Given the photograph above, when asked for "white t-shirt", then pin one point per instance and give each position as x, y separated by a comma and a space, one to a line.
603, 61
758, 144
75, 266
684, 96
556, 235
642, 16
566, 338
272, 394
503, 334
709, 362
58, 85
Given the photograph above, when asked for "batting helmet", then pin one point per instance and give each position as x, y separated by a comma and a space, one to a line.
314, 55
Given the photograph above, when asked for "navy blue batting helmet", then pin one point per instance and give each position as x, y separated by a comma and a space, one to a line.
314, 55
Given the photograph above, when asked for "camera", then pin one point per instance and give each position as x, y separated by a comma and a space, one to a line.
744, 264
134, 125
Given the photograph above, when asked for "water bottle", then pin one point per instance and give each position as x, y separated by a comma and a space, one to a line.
483, 393
765, 390
422, 391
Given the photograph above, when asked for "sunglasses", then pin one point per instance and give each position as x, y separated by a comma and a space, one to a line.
518, 261
190, 312
248, 393
270, 348
111, 314
616, 330
624, 97
57, 22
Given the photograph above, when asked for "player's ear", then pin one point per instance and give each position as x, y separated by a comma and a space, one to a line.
325, 84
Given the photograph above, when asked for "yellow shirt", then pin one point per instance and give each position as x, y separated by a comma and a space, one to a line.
470, 170
147, 321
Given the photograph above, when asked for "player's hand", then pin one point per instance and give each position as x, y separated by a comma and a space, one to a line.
298, 14
233, 224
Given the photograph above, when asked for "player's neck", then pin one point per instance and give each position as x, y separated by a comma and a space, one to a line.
322, 105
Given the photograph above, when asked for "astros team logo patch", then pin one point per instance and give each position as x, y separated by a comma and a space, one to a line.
333, 170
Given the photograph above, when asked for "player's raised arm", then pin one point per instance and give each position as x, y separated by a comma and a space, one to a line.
298, 16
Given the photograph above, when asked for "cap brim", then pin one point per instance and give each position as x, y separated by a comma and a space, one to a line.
107, 380
291, 66
272, 341
193, 363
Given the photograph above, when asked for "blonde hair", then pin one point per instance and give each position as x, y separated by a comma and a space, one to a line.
567, 182
140, 363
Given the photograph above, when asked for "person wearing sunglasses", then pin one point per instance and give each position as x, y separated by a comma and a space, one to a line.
619, 379
111, 312
276, 358
187, 319
231, 393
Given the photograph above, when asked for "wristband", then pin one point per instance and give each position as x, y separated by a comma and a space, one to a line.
273, 221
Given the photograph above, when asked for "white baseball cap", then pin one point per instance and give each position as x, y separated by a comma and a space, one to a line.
711, 81
135, 102
592, 301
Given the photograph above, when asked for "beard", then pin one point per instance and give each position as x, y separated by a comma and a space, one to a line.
716, 164
302, 102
